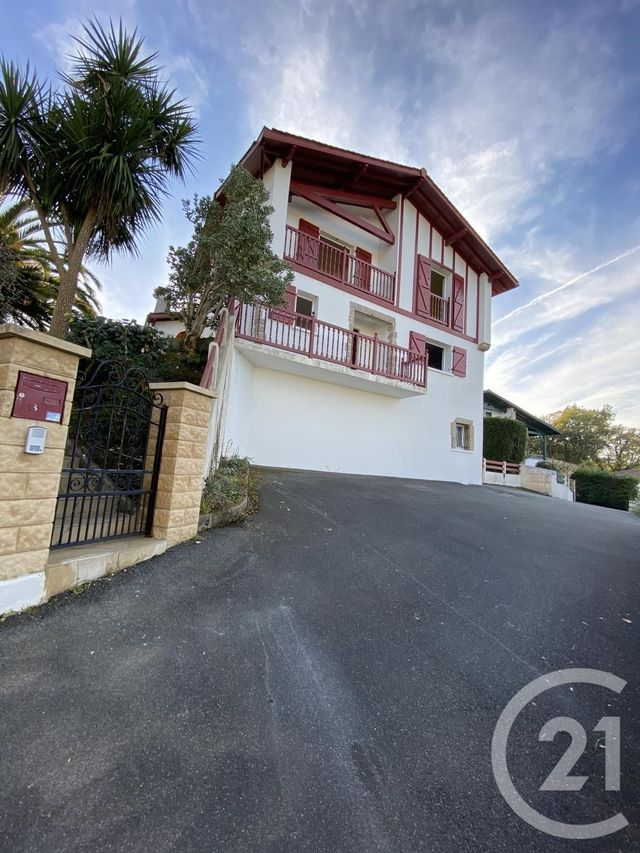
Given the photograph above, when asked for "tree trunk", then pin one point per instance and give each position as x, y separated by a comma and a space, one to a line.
63, 309
68, 278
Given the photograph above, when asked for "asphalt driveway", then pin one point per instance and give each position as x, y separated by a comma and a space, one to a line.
328, 678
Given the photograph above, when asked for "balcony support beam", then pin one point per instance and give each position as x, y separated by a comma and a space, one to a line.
327, 200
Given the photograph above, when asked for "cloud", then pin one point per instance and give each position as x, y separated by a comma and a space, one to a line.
498, 105
576, 343
543, 297
591, 369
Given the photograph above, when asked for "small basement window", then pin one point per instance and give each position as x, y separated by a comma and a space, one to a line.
436, 356
462, 434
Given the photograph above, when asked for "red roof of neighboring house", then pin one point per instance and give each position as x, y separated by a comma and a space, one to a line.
338, 168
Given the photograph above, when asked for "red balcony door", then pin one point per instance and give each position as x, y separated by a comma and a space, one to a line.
362, 277
308, 249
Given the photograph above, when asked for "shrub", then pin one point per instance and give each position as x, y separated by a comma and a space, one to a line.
226, 486
505, 440
604, 489
162, 358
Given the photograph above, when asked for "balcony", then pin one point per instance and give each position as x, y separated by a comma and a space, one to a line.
439, 309
338, 265
313, 348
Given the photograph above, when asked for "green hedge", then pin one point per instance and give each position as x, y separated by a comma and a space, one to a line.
505, 440
604, 489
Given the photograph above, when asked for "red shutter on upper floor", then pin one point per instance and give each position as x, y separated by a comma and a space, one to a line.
459, 362
309, 228
363, 269
422, 296
308, 248
285, 315
457, 320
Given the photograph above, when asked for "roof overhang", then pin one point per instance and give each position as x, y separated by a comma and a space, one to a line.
534, 424
339, 169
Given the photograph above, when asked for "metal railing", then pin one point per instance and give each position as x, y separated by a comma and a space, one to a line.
338, 264
315, 338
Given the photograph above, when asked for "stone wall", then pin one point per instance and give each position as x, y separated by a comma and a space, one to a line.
29, 482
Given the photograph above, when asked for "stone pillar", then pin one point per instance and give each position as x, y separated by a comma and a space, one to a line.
183, 459
29, 483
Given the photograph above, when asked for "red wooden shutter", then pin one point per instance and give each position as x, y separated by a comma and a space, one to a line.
457, 319
308, 248
285, 315
418, 346
459, 362
417, 343
363, 269
422, 297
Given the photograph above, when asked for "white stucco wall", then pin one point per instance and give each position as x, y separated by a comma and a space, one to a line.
282, 420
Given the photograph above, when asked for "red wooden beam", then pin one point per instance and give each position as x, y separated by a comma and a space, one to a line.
343, 196
458, 234
289, 156
384, 233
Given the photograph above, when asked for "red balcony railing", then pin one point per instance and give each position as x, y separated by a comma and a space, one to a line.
338, 264
314, 338
439, 309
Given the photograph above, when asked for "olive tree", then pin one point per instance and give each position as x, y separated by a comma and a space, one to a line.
228, 256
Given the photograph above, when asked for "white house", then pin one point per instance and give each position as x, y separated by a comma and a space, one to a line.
376, 365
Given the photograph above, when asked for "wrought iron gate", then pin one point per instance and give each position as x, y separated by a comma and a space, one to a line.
112, 458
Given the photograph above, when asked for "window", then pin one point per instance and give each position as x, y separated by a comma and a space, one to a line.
332, 257
436, 356
462, 434
438, 282
463, 437
438, 302
305, 305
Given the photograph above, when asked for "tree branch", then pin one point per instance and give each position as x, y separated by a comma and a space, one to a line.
43, 220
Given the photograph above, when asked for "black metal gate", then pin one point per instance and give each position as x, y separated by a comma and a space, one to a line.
112, 458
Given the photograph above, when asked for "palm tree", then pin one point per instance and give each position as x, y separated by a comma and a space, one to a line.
27, 274
94, 157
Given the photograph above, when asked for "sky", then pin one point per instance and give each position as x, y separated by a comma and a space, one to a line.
526, 114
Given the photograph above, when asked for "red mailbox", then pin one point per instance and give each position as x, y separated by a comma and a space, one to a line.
38, 398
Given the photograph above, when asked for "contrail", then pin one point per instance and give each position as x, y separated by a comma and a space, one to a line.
582, 275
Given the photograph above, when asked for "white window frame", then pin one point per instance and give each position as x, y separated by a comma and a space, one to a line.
310, 297
446, 356
446, 286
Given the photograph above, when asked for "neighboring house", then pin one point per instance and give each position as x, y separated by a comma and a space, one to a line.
496, 406
376, 364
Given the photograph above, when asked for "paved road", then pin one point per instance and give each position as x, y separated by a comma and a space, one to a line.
328, 678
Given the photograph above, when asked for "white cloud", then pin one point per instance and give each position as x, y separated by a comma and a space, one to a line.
593, 369
544, 360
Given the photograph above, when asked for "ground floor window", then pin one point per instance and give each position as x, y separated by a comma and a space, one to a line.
462, 434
